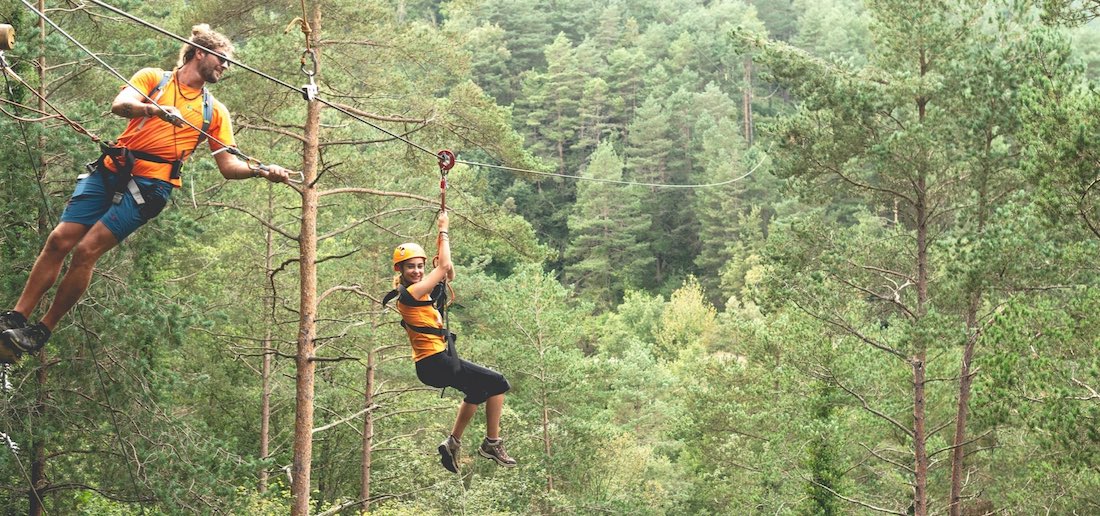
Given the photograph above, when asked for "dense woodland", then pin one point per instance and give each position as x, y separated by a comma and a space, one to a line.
881, 296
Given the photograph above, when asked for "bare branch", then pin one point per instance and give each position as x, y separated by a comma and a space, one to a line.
904, 467
853, 500
259, 219
269, 129
1093, 394
342, 288
952, 447
346, 419
381, 193
847, 328
867, 406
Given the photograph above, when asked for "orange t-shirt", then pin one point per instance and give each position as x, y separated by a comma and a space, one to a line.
162, 139
423, 344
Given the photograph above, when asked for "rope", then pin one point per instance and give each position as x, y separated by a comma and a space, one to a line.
26, 140
615, 181
389, 133
76, 126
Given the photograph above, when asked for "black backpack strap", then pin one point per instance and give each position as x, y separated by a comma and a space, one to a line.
389, 297
407, 299
425, 329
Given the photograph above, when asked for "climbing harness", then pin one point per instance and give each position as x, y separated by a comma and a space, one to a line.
439, 297
123, 158
439, 300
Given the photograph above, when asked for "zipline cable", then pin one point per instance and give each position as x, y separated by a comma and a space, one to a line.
616, 181
278, 81
396, 136
232, 150
75, 125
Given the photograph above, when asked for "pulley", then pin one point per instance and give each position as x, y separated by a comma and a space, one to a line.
7, 37
446, 161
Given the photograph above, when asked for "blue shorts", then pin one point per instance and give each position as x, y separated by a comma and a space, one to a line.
92, 202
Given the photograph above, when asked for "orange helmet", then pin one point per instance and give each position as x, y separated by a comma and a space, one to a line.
408, 251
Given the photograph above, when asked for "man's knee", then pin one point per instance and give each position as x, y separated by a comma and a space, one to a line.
85, 255
63, 238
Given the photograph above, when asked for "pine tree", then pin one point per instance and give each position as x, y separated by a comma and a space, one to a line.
607, 253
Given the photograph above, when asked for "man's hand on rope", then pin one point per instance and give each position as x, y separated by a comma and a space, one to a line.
273, 173
170, 114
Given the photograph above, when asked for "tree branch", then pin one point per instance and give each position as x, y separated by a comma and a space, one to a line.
254, 216
869, 408
346, 419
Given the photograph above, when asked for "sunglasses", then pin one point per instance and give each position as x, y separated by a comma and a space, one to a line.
224, 62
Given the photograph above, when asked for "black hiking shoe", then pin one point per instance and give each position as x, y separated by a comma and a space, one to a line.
495, 451
12, 320
448, 453
28, 339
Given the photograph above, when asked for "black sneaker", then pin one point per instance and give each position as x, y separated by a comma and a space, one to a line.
448, 453
27, 339
12, 320
495, 451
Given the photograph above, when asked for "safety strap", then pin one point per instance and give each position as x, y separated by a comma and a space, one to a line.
207, 118
438, 298
135, 191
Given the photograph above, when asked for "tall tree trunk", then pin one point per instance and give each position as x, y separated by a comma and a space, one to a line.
920, 438
307, 245
38, 451
265, 366
545, 412
38, 479
561, 156
966, 377
746, 102
920, 358
965, 380
368, 431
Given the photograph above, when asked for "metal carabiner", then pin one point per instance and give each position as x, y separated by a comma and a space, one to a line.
309, 91
313, 60
253, 161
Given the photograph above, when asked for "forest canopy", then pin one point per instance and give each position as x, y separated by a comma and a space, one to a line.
768, 256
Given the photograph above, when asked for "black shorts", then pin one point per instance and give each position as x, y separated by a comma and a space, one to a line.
445, 369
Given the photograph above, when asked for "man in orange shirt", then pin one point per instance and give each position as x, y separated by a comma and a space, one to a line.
131, 183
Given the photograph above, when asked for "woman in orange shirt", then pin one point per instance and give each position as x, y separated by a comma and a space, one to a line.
437, 364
